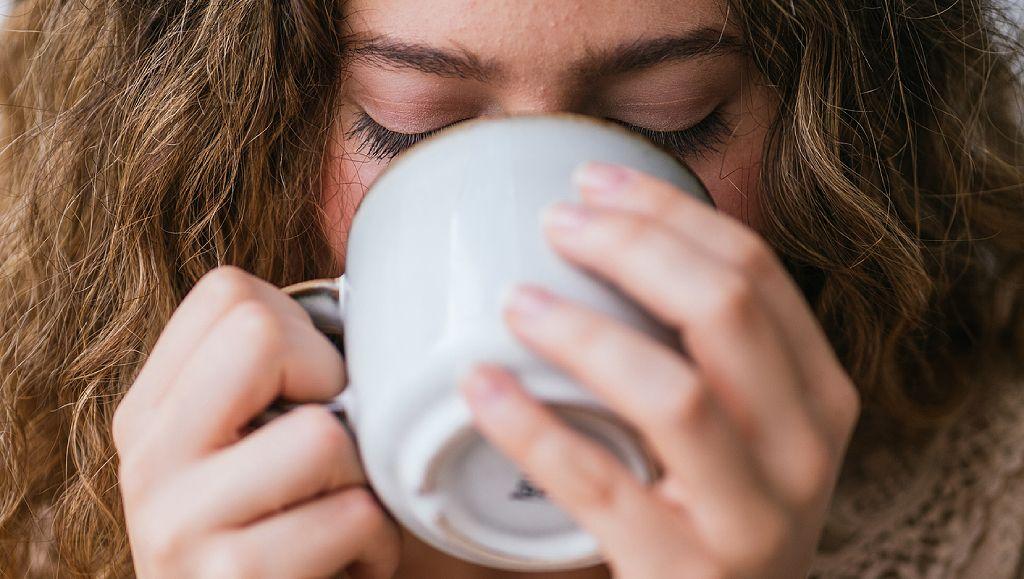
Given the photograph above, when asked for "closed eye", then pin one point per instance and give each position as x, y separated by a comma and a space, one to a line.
703, 137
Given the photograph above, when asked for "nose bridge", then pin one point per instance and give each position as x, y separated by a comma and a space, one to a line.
533, 106
538, 95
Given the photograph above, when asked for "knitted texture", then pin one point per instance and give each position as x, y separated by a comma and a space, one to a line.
952, 507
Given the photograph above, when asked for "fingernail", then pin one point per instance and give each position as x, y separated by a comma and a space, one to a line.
485, 388
606, 178
566, 216
530, 302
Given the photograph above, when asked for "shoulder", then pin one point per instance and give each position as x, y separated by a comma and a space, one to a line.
949, 507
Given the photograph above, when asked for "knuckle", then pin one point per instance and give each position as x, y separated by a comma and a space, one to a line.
753, 257
688, 405
321, 435
733, 304
226, 285
364, 511
119, 426
815, 473
164, 544
587, 473
850, 405
770, 539
226, 560
632, 231
261, 327
587, 333
596, 492
762, 540
130, 478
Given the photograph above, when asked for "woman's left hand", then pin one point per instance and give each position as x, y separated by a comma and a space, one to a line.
750, 424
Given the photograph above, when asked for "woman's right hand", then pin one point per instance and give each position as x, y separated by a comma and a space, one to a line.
201, 497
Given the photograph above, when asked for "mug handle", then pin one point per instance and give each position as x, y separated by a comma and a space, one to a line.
323, 301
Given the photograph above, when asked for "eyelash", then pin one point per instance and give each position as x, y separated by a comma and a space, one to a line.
697, 140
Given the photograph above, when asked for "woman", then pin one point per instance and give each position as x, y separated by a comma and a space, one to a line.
866, 263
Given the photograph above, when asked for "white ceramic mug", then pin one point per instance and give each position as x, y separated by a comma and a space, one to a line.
441, 237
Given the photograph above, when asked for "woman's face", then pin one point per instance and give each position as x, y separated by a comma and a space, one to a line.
673, 66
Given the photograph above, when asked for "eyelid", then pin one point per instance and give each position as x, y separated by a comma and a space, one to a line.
416, 112
412, 123
669, 114
418, 120
700, 138
369, 118
365, 117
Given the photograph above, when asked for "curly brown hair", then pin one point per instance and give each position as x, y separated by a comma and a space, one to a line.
148, 141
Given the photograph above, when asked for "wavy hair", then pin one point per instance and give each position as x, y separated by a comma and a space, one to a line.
148, 141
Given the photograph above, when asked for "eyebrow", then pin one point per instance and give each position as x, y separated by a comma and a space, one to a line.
630, 56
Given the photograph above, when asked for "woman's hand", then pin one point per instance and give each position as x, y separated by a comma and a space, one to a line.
201, 499
750, 425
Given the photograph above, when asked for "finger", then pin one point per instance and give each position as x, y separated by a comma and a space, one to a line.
298, 456
646, 382
252, 357
587, 481
214, 295
345, 528
724, 327
654, 389
719, 234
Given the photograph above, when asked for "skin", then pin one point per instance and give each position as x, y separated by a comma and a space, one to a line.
672, 96
750, 451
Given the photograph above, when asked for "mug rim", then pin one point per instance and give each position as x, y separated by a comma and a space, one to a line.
407, 154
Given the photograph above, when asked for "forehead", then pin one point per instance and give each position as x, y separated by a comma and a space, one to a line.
527, 36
